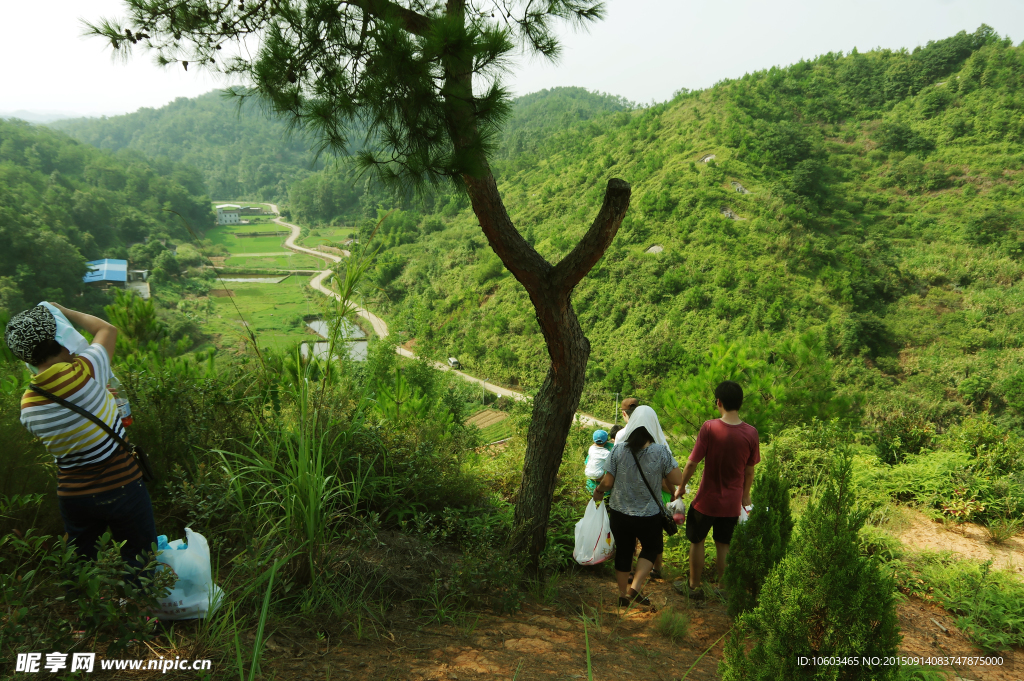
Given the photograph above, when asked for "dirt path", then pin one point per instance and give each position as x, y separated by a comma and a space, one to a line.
381, 328
969, 541
545, 640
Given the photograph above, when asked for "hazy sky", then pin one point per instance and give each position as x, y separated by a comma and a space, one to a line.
644, 50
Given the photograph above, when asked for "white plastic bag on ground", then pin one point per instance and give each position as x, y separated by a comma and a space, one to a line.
194, 594
594, 541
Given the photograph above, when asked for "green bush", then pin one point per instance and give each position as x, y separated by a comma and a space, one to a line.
823, 598
52, 600
989, 604
761, 542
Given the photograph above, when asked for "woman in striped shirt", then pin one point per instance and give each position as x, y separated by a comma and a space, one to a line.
99, 484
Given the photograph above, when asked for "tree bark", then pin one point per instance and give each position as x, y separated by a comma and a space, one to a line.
550, 290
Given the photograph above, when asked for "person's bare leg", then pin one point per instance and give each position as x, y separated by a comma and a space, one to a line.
721, 551
643, 568
696, 564
622, 579
658, 562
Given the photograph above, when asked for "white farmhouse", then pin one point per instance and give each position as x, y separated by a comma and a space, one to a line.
229, 214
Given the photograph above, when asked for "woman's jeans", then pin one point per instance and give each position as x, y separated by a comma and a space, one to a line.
126, 510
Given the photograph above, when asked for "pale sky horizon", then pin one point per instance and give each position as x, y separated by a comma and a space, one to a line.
644, 50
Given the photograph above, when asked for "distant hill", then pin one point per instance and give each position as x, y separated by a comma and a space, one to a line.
38, 118
336, 196
244, 153
241, 152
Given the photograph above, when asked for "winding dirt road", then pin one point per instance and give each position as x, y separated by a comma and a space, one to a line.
381, 328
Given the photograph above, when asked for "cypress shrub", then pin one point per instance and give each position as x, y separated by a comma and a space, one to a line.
822, 599
761, 542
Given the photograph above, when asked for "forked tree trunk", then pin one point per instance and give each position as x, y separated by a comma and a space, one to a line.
550, 288
554, 407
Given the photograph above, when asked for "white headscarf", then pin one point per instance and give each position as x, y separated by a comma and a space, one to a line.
645, 417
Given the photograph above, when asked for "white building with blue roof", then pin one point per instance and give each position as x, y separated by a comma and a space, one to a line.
113, 273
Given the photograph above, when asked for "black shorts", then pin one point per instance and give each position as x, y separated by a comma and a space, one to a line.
698, 525
627, 529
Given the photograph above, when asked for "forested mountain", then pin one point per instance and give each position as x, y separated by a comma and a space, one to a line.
241, 152
865, 206
245, 154
63, 202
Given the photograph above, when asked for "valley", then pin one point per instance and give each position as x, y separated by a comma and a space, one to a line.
843, 237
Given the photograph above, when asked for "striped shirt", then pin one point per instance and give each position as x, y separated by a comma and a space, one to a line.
89, 460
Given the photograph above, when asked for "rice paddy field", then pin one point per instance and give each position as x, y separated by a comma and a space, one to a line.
224, 235
328, 235
273, 311
285, 261
265, 252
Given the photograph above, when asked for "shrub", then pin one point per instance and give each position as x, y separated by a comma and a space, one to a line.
823, 598
110, 601
761, 542
900, 430
989, 605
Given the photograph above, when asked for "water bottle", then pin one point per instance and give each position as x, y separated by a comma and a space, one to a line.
124, 409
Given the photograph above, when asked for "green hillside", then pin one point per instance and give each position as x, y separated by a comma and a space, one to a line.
244, 153
63, 202
241, 152
882, 224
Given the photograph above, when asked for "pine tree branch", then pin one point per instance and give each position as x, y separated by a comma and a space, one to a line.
519, 257
574, 266
413, 22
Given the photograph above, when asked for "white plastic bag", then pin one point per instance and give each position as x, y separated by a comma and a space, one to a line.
744, 513
677, 509
677, 506
67, 336
594, 541
194, 594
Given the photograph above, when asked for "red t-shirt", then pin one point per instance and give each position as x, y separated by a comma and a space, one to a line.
726, 451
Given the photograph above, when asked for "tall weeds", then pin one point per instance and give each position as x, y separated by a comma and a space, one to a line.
287, 480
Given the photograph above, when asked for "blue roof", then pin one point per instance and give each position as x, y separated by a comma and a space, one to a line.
106, 270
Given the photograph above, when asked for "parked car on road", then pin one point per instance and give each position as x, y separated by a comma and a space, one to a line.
454, 363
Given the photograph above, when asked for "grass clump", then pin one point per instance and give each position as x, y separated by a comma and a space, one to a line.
672, 624
1002, 530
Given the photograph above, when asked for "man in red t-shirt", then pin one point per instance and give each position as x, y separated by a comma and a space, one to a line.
729, 449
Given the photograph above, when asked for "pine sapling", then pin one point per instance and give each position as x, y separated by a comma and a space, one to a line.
761, 542
822, 599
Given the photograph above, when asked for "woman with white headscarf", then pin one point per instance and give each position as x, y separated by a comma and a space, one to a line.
634, 508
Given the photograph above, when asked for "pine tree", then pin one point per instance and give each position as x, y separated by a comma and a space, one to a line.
420, 84
761, 542
822, 599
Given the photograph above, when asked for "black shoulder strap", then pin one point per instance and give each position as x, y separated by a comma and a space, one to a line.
75, 408
644, 478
